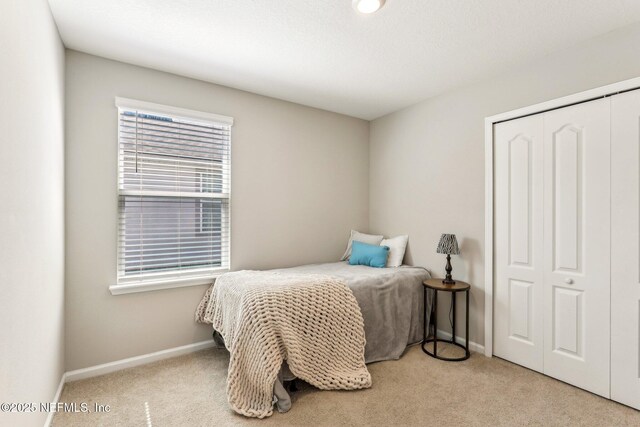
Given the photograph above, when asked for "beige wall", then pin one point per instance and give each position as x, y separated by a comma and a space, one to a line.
299, 183
427, 161
31, 207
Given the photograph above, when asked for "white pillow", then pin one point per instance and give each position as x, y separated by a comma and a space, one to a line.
361, 237
397, 246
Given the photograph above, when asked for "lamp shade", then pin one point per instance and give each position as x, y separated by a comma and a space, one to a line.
448, 245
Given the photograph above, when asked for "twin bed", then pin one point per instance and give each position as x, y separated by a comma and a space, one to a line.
390, 300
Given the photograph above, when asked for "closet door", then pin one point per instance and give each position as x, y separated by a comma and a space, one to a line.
577, 244
518, 300
625, 251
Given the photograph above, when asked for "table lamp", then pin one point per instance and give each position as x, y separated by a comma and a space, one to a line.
448, 245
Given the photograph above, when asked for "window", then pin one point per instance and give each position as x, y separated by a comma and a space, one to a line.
173, 190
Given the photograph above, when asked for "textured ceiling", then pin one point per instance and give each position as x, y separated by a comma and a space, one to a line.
323, 54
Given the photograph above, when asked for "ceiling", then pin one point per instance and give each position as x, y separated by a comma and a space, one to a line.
323, 54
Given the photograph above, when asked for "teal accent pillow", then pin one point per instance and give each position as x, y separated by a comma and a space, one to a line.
371, 255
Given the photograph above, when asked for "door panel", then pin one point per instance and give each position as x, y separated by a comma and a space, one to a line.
520, 310
519, 200
577, 244
518, 326
625, 249
567, 193
568, 322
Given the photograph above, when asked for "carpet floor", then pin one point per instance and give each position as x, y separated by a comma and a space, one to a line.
415, 390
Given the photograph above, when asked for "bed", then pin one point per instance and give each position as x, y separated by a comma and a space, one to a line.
391, 302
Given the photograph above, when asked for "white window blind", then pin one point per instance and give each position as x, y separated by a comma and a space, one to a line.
173, 190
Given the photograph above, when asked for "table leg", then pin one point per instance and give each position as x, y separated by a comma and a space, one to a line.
435, 322
453, 322
425, 332
467, 331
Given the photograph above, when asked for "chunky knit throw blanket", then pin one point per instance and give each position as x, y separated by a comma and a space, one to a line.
311, 321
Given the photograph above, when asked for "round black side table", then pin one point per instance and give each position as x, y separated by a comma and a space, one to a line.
437, 286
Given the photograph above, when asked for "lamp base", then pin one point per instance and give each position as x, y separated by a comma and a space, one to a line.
447, 278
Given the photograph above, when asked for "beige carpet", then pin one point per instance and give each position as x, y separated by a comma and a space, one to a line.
415, 390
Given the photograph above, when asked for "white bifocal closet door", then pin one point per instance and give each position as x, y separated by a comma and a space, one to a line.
625, 250
577, 245
518, 332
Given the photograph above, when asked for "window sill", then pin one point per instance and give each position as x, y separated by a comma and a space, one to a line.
169, 283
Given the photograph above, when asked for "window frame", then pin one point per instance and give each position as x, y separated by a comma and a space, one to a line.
171, 278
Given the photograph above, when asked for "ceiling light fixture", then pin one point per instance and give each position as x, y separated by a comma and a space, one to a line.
367, 6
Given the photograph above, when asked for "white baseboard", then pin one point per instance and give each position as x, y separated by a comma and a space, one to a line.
56, 398
106, 368
478, 348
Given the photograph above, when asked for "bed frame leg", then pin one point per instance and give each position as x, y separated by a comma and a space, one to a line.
291, 386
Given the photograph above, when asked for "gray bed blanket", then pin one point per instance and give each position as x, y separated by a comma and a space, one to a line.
391, 301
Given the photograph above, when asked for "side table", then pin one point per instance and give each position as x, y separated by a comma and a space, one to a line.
437, 286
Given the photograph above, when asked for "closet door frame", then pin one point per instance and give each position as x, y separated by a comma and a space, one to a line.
489, 277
